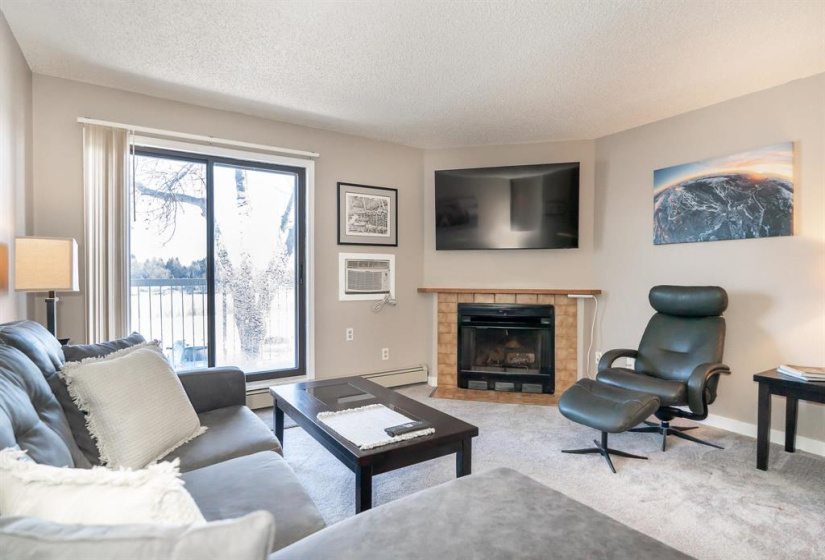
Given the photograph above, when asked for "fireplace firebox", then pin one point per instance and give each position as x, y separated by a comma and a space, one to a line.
506, 347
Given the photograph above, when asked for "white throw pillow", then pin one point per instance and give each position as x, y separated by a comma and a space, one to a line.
97, 496
136, 408
244, 538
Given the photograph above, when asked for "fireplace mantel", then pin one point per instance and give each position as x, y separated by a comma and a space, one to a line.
538, 291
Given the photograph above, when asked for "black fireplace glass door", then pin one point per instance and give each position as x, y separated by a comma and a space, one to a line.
502, 350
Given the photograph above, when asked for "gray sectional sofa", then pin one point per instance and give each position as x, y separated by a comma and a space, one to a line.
236, 468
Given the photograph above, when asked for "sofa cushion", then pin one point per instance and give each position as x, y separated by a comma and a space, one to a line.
30, 416
79, 352
232, 432
260, 481
670, 393
497, 514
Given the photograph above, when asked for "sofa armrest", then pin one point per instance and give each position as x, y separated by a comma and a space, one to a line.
212, 388
699, 382
612, 355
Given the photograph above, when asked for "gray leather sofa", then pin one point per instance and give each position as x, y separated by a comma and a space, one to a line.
233, 469
236, 468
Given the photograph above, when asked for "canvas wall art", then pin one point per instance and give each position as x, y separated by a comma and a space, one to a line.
746, 195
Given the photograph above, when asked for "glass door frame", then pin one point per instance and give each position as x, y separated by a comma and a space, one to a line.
300, 251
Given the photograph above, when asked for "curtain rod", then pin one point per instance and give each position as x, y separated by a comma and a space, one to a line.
198, 137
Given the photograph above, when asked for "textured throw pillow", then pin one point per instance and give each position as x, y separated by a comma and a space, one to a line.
96, 496
136, 408
76, 418
250, 537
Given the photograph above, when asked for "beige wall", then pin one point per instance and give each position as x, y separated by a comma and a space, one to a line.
15, 164
533, 268
58, 198
776, 285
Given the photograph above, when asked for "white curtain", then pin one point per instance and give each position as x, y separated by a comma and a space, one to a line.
106, 178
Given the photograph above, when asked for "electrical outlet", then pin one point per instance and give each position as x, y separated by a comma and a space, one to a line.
385, 353
629, 363
598, 357
350, 334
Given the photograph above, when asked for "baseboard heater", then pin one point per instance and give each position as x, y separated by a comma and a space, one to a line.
398, 377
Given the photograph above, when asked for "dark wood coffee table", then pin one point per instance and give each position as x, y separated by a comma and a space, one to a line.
303, 401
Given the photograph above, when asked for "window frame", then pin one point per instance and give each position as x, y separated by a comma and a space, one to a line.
302, 332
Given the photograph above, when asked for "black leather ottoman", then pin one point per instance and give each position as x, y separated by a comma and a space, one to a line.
609, 409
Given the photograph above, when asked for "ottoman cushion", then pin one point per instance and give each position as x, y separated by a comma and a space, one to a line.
606, 408
496, 515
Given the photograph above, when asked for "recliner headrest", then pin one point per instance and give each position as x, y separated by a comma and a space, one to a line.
689, 301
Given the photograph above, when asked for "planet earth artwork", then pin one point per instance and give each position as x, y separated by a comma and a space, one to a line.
742, 196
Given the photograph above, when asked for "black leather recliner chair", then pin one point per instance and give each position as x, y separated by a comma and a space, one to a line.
679, 357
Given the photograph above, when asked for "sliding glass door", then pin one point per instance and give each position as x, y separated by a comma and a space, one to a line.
256, 279
217, 249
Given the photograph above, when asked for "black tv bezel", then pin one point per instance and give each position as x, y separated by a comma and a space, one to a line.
578, 222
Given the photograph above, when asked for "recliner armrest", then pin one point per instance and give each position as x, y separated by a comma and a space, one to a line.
612, 355
213, 388
698, 381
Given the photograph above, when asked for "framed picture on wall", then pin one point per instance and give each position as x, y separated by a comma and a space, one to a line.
367, 215
741, 196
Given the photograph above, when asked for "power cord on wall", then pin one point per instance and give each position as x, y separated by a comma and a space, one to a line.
592, 329
386, 300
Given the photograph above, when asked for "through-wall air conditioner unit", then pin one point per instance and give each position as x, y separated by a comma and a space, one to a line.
364, 277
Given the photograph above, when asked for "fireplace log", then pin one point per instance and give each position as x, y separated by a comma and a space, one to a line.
520, 358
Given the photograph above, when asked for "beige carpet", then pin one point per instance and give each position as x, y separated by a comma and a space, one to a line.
702, 501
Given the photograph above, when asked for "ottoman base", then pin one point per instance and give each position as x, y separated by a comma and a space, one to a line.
604, 451
608, 409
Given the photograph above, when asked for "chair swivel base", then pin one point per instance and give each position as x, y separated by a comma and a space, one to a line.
604, 451
667, 430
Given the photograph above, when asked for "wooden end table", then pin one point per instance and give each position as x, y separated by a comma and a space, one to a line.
303, 401
771, 383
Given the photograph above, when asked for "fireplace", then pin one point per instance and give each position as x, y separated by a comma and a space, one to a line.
506, 347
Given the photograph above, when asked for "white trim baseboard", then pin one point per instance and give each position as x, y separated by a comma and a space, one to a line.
777, 436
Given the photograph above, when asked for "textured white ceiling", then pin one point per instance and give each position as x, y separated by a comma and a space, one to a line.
431, 74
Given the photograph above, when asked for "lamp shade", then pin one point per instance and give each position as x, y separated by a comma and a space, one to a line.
45, 264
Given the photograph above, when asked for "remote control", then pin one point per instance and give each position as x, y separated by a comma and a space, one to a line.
406, 428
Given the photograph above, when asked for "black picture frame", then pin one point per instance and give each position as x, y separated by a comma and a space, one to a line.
374, 239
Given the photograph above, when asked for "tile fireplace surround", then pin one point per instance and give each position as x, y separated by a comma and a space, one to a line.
567, 339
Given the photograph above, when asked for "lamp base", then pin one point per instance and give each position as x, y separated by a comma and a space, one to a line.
51, 313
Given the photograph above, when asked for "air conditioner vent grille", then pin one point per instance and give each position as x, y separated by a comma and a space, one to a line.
372, 281
365, 277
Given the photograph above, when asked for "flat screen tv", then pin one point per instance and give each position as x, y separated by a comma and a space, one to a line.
518, 207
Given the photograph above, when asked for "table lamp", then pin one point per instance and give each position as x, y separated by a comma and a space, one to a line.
46, 264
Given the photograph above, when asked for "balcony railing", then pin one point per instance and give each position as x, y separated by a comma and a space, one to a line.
174, 311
